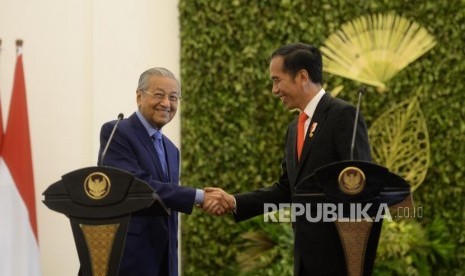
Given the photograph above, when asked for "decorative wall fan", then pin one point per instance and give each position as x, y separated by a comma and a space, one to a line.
372, 49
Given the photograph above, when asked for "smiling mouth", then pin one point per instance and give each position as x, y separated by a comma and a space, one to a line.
163, 110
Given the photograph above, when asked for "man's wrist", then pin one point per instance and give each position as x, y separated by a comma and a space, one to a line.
199, 196
235, 204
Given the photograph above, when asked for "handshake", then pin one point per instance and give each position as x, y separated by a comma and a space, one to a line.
218, 202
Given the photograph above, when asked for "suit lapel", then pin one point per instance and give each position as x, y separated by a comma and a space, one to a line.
316, 124
291, 149
145, 139
171, 159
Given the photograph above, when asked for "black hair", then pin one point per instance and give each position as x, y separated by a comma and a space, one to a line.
298, 56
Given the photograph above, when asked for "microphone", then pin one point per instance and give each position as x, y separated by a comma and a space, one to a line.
360, 94
120, 117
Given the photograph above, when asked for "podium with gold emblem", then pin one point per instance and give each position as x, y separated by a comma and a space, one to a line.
361, 194
99, 202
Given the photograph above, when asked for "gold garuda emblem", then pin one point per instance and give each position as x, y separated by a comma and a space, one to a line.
351, 180
97, 185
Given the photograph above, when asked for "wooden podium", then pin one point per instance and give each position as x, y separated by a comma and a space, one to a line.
346, 184
99, 202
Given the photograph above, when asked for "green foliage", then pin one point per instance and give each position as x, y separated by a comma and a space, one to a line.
407, 247
233, 128
266, 248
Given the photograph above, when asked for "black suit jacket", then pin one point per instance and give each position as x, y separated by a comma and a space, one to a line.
317, 249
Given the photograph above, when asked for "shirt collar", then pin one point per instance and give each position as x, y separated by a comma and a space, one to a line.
311, 106
150, 129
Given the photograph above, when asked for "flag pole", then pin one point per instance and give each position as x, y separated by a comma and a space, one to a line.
19, 46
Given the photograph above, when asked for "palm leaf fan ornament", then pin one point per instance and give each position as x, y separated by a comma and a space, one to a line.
373, 49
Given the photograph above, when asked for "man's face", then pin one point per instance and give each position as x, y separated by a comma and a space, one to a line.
157, 103
287, 88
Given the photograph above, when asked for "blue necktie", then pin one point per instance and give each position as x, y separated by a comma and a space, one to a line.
160, 150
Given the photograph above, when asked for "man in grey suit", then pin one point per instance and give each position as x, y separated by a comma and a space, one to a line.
326, 125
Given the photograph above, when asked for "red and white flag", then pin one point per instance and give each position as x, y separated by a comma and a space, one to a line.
19, 250
1, 129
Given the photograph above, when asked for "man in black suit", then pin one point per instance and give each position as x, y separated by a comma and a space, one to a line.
326, 125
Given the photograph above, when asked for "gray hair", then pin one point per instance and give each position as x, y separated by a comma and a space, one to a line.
156, 71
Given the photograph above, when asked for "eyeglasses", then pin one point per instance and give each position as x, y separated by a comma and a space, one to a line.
160, 96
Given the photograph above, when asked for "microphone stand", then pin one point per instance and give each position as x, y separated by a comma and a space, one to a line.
120, 117
360, 94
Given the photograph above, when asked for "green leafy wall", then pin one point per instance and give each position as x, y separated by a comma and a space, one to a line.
233, 128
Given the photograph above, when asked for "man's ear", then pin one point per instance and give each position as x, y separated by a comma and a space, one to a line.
303, 76
138, 98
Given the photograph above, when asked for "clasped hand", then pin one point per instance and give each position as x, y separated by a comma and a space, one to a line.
218, 202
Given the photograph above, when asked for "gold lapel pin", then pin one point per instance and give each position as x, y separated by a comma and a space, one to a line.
312, 129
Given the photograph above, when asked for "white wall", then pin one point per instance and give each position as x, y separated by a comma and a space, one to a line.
82, 60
